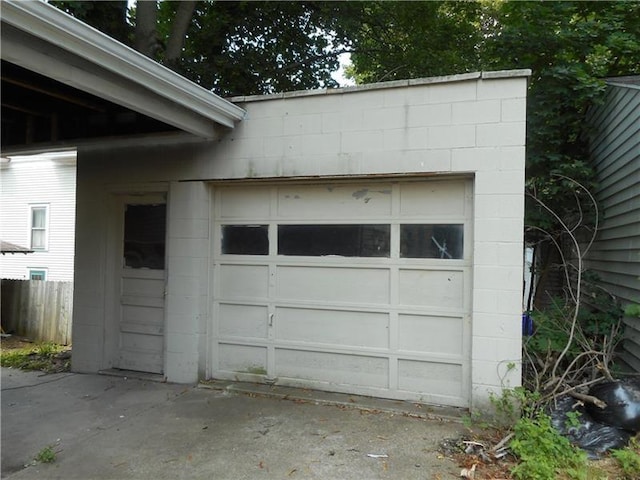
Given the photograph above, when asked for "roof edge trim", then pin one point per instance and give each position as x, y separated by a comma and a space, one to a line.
462, 77
53, 25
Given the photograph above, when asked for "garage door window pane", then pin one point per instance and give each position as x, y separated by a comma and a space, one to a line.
245, 239
431, 241
342, 240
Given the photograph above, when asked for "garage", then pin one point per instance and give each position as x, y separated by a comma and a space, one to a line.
354, 287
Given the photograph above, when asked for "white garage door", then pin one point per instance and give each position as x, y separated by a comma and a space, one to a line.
357, 288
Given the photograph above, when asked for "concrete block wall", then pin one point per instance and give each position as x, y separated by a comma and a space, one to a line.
89, 278
187, 281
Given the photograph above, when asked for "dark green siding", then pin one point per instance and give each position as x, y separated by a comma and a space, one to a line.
615, 149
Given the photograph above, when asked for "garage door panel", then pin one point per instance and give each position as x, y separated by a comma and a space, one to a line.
328, 284
430, 334
244, 203
334, 201
346, 328
243, 281
243, 321
242, 358
433, 378
333, 368
354, 287
433, 288
433, 199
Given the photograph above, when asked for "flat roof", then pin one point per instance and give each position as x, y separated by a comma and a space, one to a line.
462, 77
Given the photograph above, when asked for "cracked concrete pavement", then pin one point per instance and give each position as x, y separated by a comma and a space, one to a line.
108, 427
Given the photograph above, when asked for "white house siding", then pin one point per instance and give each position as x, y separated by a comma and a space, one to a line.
465, 126
615, 147
48, 179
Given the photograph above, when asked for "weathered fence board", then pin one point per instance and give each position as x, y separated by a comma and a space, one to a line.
38, 310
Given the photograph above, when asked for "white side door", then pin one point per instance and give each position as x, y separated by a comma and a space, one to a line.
141, 284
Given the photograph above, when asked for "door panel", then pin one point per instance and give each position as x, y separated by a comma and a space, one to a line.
141, 294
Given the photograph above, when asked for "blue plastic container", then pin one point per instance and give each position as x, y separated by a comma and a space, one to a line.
527, 324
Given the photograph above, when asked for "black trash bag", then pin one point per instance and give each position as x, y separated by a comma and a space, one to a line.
623, 404
583, 431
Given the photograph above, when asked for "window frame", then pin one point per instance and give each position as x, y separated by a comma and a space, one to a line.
259, 227
462, 245
32, 208
38, 270
282, 227
127, 240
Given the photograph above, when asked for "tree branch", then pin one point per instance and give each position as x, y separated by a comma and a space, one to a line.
146, 37
178, 34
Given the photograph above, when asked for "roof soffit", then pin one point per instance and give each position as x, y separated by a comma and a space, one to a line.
74, 43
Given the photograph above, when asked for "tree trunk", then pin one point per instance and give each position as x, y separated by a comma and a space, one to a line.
146, 40
179, 28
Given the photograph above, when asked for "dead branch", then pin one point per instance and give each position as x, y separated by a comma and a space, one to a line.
588, 399
579, 270
584, 360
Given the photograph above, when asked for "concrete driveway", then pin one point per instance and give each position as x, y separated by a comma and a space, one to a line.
106, 427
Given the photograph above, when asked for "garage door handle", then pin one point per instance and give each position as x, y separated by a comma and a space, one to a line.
271, 319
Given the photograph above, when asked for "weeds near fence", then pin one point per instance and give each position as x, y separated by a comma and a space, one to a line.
46, 357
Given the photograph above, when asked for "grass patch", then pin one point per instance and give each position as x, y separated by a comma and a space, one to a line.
629, 459
46, 455
47, 357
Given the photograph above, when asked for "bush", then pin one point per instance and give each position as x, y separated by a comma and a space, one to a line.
543, 452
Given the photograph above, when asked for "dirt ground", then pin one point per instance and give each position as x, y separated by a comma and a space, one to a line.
13, 342
35, 356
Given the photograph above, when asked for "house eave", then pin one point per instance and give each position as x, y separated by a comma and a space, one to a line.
49, 24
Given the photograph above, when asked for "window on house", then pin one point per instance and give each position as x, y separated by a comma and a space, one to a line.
38, 224
431, 241
343, 240
144, 236
245, 239
37, 274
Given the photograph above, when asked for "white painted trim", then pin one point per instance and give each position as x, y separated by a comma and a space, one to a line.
106, 85
45, 270
50, 24
65, 157
462, 77
47, 208
143, 140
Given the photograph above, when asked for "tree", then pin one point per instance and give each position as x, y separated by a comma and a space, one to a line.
399, 40
235, 47
569, 46
109, 17
265, 47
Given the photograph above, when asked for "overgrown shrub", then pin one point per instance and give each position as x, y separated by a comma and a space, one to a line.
543, 452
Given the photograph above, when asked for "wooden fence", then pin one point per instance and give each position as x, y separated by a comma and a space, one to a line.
38, 310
